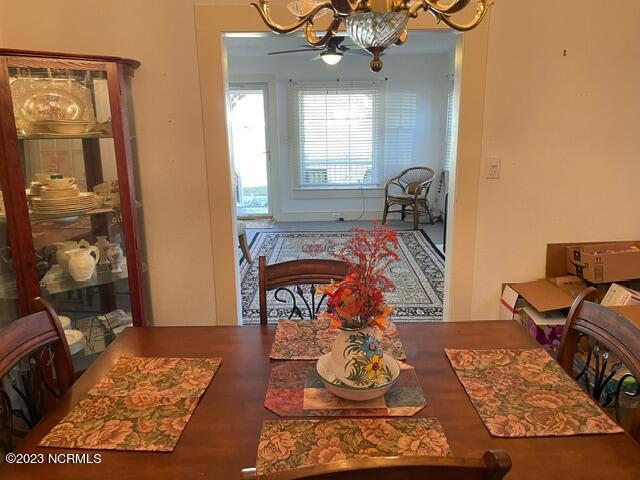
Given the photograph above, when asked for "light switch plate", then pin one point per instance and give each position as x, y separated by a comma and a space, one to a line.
493, 168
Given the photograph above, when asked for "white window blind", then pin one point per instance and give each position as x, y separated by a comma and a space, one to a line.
400, 133
449, 138
339, 132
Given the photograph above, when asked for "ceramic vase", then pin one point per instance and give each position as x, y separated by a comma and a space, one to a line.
357, 358
82, 262
103, 245
115, 255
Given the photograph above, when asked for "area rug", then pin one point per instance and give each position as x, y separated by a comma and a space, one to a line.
418, 276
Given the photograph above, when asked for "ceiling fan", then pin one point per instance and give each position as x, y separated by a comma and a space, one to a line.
330, 54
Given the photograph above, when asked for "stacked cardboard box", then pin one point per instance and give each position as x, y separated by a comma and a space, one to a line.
541, 306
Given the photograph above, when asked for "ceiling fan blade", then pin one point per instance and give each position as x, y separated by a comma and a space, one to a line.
293, 51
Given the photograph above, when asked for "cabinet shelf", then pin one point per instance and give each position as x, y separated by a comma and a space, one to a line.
41, 217
60, 136
103, 276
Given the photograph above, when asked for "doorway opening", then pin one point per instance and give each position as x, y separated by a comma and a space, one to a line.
340, 134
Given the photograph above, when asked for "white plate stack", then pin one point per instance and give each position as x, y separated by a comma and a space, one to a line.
75, 339
62, 198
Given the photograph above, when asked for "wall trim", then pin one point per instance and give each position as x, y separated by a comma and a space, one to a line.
326, 216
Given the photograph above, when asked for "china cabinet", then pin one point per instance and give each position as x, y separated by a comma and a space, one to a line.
69, 212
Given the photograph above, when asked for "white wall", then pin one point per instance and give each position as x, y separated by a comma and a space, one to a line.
566, 128
426, 76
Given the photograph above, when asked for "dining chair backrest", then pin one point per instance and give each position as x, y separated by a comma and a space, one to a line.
296, 273
40, 338
494, 465
610, 365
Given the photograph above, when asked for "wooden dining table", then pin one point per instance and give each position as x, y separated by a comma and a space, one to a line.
222, 436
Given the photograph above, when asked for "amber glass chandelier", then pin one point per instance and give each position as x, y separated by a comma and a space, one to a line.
372, 24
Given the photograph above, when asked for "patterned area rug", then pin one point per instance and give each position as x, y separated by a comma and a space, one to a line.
419, 275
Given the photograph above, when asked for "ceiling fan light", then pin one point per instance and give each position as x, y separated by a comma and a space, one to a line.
331, 57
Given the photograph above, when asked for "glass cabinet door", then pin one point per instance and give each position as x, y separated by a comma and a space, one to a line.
9, 305
70, 174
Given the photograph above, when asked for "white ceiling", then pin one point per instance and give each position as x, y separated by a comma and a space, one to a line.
258, 45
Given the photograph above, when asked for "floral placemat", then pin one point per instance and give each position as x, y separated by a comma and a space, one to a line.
295, 390
310, 339
142, 404
525, 393
286, 444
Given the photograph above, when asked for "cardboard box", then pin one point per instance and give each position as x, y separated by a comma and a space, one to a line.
556, 264
540, 307
546, 328
605, 262
541, 294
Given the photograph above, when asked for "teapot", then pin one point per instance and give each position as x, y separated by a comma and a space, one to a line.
63, 247
82, 262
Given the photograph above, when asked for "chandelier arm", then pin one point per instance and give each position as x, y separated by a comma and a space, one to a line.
312, 38
265, 13
436, 8
482, 8
454, 7
403, 37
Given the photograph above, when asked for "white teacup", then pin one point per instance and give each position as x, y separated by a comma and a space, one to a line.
44, 177
60, 183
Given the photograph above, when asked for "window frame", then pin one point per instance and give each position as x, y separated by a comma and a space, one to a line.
377, 88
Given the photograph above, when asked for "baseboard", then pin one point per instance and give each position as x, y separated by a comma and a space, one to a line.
325, 216
328, 216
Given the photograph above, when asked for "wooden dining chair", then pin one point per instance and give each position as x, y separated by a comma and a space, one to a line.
493, 465
409, 189
39, 339
296, 273
611, 344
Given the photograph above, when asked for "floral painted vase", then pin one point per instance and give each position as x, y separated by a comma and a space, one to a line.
357, 358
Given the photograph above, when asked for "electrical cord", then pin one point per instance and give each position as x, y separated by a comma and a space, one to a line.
363, 204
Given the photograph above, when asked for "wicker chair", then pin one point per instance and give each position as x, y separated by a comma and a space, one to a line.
413, 184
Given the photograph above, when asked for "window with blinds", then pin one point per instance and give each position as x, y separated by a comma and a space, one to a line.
339, 133
449, 146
